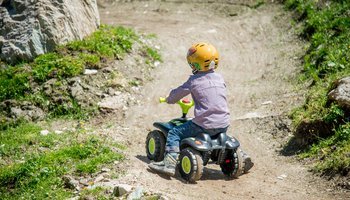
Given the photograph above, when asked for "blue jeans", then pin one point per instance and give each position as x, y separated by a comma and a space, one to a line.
188, 129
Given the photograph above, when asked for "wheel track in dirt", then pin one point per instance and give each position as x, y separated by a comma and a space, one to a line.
257, 53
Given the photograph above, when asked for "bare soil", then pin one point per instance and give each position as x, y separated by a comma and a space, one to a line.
260, 55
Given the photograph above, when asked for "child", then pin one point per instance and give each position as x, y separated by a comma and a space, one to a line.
208, 91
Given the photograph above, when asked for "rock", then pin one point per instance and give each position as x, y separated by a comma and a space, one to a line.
105, 170
341, 93
110, 91
84, 182
90, 71
17, 110
44, 132
76, 90
70, 182
266, 103
31, 28
121, 189
163, 198
136, 194
282, 176
58, 132
113, 102
99, 178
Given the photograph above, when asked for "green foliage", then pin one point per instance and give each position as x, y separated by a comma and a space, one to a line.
53, 65
34, 164
14, 82
91, 60
98, 193
70, 60
153, 54
108, 41
333, 152
326, 24
328, 29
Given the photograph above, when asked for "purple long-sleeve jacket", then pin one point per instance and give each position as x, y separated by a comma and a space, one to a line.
208, 90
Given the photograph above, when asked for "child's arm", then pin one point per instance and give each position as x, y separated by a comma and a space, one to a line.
178, 93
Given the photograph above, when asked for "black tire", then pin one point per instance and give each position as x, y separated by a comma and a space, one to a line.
190, 165
233, 165
155, 145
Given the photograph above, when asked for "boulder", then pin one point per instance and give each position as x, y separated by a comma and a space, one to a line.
341, 93
29, 28
121, 189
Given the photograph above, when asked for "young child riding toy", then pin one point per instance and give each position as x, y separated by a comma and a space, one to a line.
211, 114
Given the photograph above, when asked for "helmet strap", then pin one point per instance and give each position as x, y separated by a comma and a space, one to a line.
194, 71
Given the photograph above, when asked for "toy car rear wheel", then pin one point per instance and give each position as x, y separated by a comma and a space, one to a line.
190, 165
155, 145
232, 166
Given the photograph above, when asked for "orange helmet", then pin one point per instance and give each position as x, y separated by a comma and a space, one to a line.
202, 57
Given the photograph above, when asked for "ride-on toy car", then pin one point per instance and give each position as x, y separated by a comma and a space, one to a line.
196, 152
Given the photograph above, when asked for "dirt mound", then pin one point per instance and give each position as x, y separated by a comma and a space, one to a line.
259, 55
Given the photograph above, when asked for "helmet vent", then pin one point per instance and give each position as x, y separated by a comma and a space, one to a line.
207, 61
201, 45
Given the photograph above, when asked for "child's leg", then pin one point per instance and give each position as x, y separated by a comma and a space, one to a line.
178, 133
188, 129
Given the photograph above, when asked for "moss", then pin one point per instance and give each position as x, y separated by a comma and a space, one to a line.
326, 25
34, 163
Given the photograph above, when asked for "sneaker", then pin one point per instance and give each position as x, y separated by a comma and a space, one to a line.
167, 166
248, 164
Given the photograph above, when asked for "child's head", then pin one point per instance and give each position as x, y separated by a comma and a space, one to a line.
202, 57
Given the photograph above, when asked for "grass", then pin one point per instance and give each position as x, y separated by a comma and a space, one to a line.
97, 193
14, 82
326, 25
108, 41
33, 164
24, 82
333, 153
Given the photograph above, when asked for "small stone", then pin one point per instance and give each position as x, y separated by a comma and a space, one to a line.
266, 103
44, 132
156, 64
99, 178
105, 170
58, 132
282, 177
137, 194
70, 182
163, 198
90, 71
121, 189
111, 91
84, 182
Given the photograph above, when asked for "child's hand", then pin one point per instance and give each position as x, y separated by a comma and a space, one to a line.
162, 100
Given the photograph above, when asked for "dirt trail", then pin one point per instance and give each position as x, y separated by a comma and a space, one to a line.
258, 57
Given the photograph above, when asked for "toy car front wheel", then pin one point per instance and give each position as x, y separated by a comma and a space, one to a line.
190, 165
155, 145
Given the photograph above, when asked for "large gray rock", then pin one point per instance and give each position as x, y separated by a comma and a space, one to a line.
341, 93
29, 28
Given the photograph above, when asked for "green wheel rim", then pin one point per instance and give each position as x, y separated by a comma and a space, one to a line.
151, 146
186, 164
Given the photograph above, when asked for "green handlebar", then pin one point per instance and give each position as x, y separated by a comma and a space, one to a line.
184, 104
